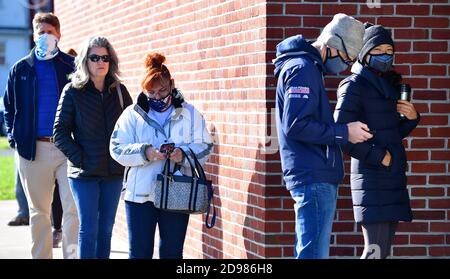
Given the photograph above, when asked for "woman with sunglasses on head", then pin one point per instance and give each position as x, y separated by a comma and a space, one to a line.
160, 125
378, 166
88, 109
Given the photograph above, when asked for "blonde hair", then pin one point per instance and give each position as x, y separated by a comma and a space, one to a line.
81, 75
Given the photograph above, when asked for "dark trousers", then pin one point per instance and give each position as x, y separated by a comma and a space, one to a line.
57, 211
378, 239
142, 219
21, 198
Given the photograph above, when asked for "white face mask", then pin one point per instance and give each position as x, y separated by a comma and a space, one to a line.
46, 46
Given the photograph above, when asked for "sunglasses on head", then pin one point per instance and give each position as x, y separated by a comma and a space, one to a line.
96, 58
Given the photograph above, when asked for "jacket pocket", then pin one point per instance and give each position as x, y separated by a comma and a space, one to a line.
324, 150
398, 159
330, 155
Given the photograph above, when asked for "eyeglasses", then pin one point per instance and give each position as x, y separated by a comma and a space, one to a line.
164, 93
346, 61
95, 58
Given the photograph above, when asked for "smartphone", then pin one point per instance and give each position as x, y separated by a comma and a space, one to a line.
167, 148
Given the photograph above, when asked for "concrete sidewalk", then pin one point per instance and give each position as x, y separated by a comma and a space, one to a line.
15, 242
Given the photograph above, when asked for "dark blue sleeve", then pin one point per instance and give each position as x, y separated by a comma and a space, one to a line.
301, 103
348, 109
406, 125
9, 102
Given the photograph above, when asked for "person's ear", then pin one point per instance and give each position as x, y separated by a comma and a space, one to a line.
367, 58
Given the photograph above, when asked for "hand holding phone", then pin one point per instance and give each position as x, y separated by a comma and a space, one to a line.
167, 148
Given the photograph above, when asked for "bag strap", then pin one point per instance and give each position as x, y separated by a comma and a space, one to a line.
194, 171
198, 166
119, 92
210, 193
210, 200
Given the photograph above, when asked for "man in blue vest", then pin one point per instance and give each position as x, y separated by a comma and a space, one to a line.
31, 98
309, 139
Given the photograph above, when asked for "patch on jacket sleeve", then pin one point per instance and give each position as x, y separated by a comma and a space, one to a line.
298, 92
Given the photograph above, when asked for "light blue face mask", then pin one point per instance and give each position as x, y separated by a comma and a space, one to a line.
46, 46
381, 62
334, 65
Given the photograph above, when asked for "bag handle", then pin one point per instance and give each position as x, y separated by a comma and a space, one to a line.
198, 166
176, 166
210, 193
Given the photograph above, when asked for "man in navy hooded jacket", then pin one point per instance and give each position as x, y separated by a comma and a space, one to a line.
309, 139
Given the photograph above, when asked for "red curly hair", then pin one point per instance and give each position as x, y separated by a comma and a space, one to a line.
155, 71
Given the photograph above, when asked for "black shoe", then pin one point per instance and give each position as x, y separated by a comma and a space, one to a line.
19, 221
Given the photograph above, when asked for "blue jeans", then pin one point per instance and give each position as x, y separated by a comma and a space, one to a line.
142, 219
21, 198
314, 206
96, 200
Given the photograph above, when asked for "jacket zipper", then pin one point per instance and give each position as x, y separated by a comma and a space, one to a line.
334, 158
105, 125
34, 120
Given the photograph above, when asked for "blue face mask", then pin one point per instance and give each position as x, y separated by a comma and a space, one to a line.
160, 105
381, 62
334, 65
46, 46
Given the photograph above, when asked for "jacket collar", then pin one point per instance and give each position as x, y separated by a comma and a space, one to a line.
142, 108
109, 83
30, 58
142, 101
381, 84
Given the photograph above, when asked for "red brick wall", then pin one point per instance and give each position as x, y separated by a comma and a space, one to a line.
216, 52
421, 33
220, 55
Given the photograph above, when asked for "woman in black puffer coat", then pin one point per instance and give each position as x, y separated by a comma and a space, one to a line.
88, 110
378, 166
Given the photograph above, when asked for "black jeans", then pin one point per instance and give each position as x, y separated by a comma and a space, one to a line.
378, 239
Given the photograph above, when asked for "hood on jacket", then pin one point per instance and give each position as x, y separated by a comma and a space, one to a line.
381, 84
292, 47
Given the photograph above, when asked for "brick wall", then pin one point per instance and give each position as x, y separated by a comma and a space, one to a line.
220, 55
421, 32
216, 52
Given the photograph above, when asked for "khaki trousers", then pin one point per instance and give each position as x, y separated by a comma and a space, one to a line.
38, 178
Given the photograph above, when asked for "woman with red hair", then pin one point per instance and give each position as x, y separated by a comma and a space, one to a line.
160, 116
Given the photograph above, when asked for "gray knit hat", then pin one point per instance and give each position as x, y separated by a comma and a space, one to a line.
349, 29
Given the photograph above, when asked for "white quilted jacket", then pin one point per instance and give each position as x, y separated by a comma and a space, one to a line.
136, 129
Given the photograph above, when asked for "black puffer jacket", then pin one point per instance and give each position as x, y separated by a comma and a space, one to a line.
379, 193
83, 126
